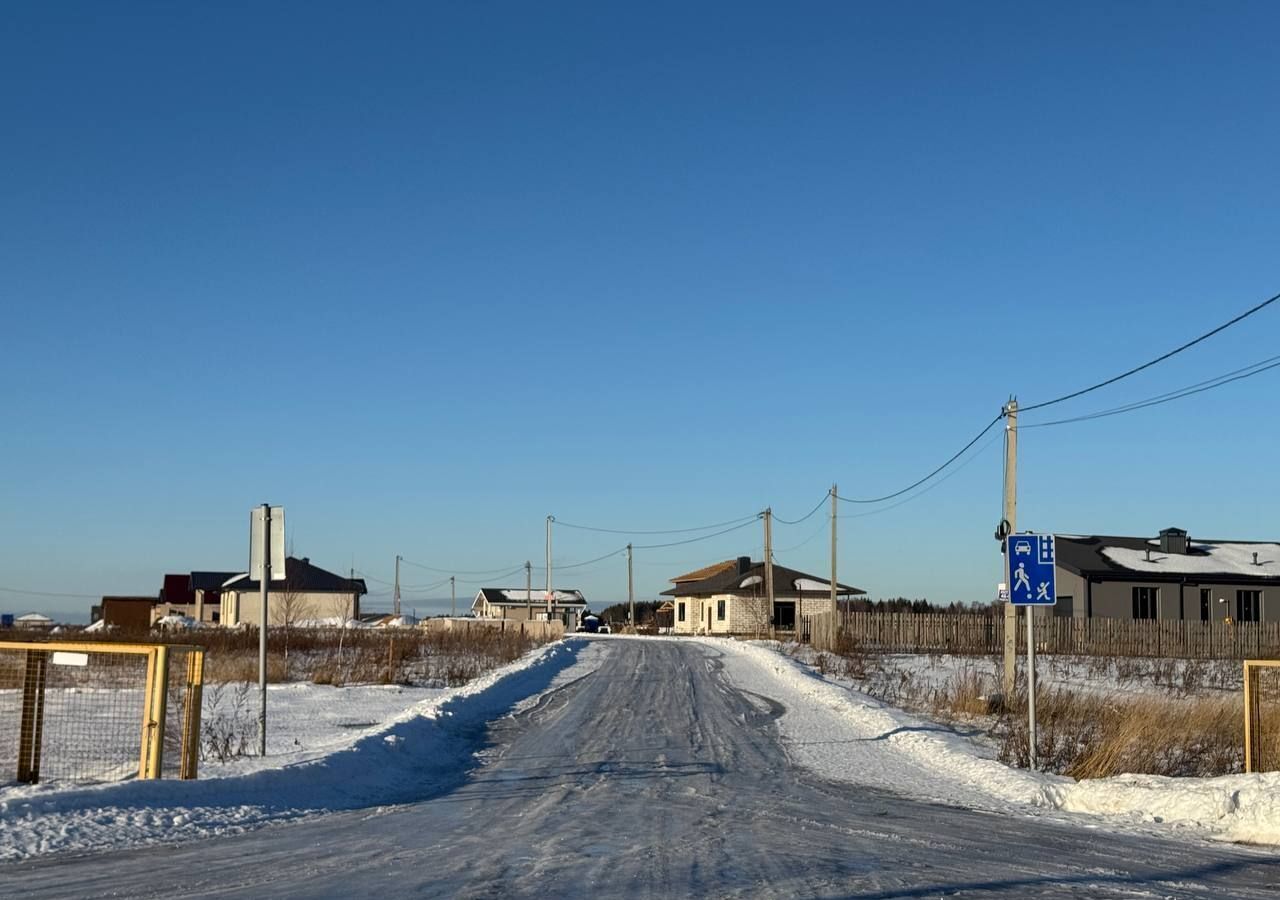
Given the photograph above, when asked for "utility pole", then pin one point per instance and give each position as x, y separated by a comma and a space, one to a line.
453, 597
1010, 516
631, 591
833, 549
768, 561
550, 519
528, 590
262, 629
395, 596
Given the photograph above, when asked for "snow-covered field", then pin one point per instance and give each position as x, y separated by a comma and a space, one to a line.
844, 735
328, 749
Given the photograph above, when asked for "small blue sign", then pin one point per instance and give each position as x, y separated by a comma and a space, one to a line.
1031, 562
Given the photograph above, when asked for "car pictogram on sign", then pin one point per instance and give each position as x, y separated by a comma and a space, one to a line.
1022, 548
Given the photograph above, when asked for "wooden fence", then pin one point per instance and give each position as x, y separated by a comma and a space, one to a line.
972, 634
538, 630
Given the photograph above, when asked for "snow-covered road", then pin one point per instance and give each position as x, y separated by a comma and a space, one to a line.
657, 773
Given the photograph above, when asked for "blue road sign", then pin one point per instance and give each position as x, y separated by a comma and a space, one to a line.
1030, 561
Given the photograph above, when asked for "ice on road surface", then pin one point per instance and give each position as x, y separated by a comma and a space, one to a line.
651, 772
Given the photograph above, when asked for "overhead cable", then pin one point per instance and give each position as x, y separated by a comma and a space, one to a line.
751, 517
821, 503
959, 453
1159, 359
1198, 388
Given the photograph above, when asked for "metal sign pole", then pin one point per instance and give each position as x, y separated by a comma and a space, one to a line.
262, 628
1031, 686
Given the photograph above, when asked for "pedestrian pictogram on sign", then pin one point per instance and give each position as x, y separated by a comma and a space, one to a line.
1031, 561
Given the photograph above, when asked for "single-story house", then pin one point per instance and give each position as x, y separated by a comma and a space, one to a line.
307, 593
197, 595
567, 606
729, 598
664, 617
34, 620
1169, 577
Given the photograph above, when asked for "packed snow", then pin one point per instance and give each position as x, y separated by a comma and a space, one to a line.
354, 748
328, 749
844, 735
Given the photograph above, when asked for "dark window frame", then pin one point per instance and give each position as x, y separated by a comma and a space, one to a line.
1206, 604
1146, 603
680, 612
1248, 605
720, 605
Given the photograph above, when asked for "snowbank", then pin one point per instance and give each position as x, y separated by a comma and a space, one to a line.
847, 736
416, 754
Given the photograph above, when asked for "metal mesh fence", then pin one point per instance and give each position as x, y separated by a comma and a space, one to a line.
1262, 715
80, 712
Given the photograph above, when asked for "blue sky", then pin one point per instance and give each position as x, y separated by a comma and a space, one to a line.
425, 274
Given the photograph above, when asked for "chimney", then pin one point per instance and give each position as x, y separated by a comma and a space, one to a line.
744, 565
1173, 540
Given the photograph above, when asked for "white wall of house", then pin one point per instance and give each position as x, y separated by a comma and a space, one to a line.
743, 614
241, 607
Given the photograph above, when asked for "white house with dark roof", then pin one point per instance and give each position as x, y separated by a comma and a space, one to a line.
520, 604
1170, 577
729, 597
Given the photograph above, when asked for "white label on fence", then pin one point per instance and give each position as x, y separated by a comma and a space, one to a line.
62, 658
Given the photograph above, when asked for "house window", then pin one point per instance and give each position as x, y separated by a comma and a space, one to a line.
1145, 602
1248, 606
1205, 604
680, 612
719, 610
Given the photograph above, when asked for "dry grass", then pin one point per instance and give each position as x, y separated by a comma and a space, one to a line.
365, 656
1192, 727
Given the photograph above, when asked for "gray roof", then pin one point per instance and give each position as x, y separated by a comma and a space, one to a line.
785, 584
302, 576
210, 581
1124, 558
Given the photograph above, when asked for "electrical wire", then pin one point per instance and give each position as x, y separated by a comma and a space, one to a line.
954, 472
959, 453
822, 529
8, 590
661, 531
454, 571
821, 503
1198, 388
705, 537
1159, 359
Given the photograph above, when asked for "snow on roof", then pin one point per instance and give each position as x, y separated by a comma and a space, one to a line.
750, 580
1206, 558
33, 617
520, 595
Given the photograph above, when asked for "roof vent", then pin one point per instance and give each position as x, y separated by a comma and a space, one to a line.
744, 565
1148, 554
1255, 557
1173, 540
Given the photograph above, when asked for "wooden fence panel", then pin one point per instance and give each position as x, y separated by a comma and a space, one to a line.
975, 634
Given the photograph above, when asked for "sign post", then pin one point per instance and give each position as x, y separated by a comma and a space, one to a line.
1032, 578
266, 564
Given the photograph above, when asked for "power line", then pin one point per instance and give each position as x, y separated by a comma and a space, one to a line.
8, 590
1159, 359
956, 471
453, 571
959, 453
705, 537
1198, 388
821, 503
661, 531
822, 529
